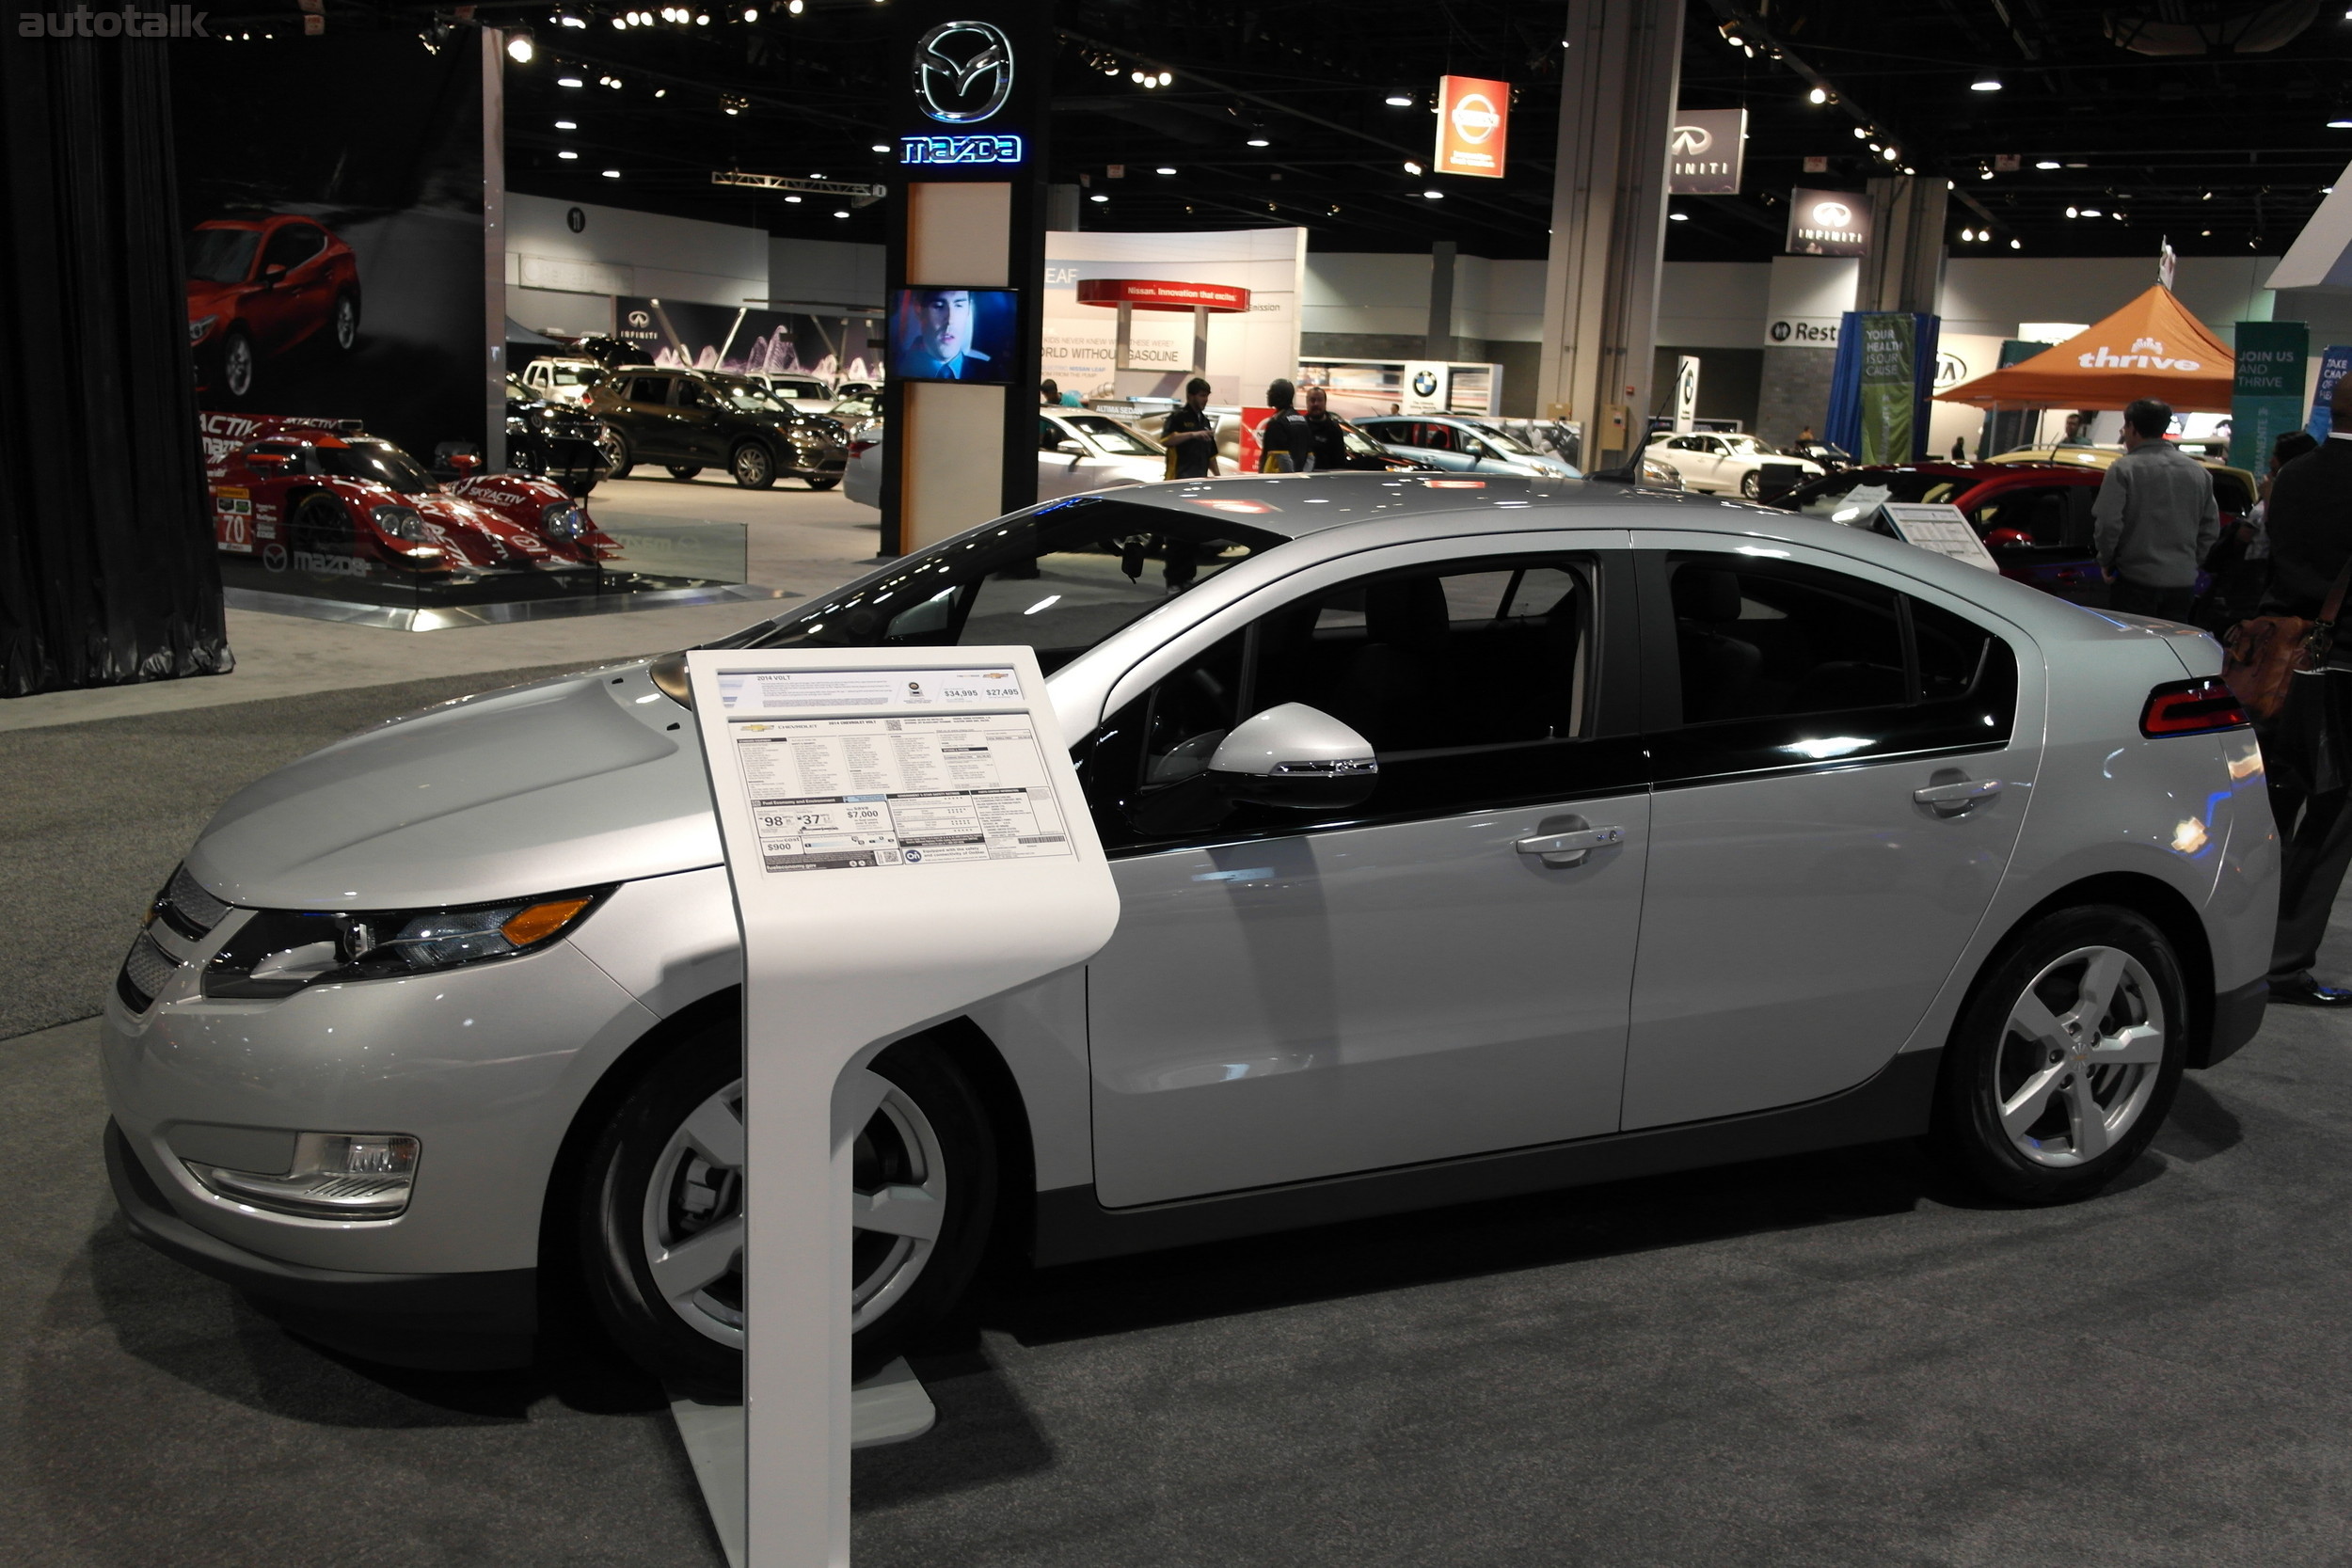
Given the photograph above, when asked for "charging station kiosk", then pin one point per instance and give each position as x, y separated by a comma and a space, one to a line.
906, 837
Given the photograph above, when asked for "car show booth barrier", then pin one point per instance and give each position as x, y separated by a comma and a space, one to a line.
106, 567
905, 836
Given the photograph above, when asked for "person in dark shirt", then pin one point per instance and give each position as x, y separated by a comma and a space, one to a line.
2307, 521
1286, 441
1331, 435
1191, 435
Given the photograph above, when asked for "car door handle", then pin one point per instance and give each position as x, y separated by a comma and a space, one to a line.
1953, 799
1569, 849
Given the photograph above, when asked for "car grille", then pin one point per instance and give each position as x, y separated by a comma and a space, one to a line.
188, 909
145, 970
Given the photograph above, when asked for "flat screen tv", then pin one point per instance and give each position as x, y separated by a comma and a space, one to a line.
945, 334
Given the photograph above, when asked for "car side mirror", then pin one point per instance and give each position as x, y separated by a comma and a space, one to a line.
464, 462
270, 274
1296, 756
1074, 448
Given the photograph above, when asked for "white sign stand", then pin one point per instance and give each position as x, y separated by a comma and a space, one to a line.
1939, 527
906, 837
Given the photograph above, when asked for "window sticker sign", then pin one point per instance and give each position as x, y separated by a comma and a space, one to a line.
1941, 528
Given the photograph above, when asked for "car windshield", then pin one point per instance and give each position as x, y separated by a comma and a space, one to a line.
222, 255
574, 376
1826, 497
1114, 437
378, 460
1511, 444
752, 398
1059, 577
1748, 446
1359, 443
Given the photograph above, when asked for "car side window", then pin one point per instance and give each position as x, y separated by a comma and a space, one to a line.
1473, 682
291, 246
1783, 664
1049, 435
1436, 438
649, 389
689, 394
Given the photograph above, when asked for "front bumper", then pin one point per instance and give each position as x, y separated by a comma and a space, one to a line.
456, 1322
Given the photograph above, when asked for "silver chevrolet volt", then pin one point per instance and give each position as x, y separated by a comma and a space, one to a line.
1475, 836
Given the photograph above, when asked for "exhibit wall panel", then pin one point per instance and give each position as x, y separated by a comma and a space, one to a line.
957, 234
1246, 349
616, 251
1718, 305
560, 312
961, 426
1988, 296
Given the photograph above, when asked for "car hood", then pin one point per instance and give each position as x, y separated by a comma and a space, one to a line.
568, 783
205, 296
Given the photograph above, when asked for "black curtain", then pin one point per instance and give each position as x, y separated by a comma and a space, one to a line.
107, 573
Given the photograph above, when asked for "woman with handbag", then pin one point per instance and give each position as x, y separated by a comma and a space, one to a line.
2295, 676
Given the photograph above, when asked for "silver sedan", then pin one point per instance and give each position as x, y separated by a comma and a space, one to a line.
1475, 836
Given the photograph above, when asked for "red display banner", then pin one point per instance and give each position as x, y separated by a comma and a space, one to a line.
1252, 446
1147, 293
1473, 125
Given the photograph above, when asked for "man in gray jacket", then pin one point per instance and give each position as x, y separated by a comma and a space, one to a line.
2156, 518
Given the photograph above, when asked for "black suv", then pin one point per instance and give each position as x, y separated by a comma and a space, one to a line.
689, 420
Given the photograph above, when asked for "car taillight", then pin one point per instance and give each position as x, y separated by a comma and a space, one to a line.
859, 449
2191, 708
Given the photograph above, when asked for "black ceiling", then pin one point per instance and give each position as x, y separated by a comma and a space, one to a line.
2223, 152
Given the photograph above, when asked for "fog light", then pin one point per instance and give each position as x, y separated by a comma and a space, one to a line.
343, 1175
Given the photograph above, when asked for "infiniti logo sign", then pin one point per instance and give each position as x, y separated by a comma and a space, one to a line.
1688, 141
962, 71
1832, 214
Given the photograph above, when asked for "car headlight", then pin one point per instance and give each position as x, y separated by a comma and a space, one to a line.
201, 328
563, 521
401, 522
279, 952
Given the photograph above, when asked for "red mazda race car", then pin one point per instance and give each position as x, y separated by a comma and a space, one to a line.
259, 285
322, 496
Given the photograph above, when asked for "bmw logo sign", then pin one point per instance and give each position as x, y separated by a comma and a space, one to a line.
1424, 383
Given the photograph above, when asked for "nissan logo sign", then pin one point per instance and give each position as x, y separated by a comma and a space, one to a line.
1474, 117
1833, 214
1690, 140
962, 71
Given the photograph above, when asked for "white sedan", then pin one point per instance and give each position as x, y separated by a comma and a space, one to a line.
1077, 451
1725, 463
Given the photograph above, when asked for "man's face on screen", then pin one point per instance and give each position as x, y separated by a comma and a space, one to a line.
946, 315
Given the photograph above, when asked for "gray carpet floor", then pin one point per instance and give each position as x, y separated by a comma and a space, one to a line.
1831, 1359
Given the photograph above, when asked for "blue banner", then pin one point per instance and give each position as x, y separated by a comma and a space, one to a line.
2334, 365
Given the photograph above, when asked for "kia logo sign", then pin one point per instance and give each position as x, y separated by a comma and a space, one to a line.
962, 71
1474, 117
1832, 214
1690, 140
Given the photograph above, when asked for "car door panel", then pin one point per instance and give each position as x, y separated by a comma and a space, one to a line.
1379, 986
1803, 906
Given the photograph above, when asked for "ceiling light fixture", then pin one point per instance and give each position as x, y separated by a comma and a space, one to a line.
568, 153
1818, 95
1260, 141
751, 14
881, 147
568, 81
612, 174
571, 21
519, 46
1098, 196
1412, 167
2340, 125
1399, 101
1678, 217
1433, 195
1165, 171
2046, 163
2017, 244
567, 125
1985, 84
841, 212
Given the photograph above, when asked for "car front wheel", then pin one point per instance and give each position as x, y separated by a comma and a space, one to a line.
662, 1220
237, 360
2066, 1058
753, 468
346, 325
1751, 484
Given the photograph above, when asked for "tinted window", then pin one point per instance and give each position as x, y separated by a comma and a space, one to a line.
1058, 579
1471, 682
691, 395
379, 461
1780, 664
293, 246
222, 255
2049, 514
649, 389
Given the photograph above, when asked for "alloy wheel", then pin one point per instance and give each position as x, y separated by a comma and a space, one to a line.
693, 1212
346, 323
237, 364
2080, 1056
752, 469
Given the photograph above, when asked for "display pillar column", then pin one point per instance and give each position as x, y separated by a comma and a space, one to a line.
1621, 68
1903, 269
971, 214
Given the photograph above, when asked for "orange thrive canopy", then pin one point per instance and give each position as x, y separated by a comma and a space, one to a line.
2152, 348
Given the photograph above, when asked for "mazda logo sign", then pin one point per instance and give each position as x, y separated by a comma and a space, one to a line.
962, 71
1832, 214
1689, 141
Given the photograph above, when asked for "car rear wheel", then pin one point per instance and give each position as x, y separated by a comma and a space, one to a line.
662, 1218
618, 459
346, 324
752, 467
2066, 1059
684, 470
237, 362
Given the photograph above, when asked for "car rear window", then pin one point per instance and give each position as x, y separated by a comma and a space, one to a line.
1826, 497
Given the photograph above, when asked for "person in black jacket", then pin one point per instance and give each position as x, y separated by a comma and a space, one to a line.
1286, 442
2305, 755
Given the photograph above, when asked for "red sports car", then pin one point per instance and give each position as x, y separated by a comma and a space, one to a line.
322, 495
258, 287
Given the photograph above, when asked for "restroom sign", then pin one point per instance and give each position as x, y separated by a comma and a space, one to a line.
1473, 125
